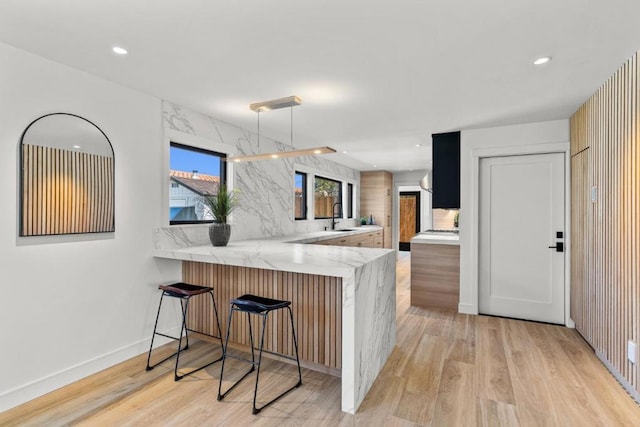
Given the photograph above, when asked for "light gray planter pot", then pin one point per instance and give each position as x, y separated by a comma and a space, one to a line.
219, 234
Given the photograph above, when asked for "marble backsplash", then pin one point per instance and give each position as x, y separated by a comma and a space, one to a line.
266, 188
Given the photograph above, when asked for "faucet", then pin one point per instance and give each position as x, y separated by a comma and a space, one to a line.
333, 214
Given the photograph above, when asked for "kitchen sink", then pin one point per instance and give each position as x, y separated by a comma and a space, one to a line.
344, 229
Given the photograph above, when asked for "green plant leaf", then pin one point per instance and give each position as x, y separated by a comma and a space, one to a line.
221, 204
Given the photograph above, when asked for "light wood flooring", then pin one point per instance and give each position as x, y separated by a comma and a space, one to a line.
447, 370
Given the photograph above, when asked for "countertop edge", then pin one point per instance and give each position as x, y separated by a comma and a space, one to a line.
422, 239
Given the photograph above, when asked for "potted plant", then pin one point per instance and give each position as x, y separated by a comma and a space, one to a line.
363, 220
220, 205
455, 219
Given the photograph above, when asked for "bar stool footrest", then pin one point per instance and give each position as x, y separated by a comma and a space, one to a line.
257, 410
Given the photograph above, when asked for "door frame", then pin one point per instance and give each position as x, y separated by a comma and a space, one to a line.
425, 205
418, 196
471, 215
528, 302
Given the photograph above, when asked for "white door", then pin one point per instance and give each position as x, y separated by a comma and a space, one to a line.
521, 212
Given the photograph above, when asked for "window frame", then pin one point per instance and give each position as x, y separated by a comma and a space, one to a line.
350, 203
339, 197
305, 204
223, 174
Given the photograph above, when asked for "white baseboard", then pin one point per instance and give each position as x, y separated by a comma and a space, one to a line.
36, 388
623, 381
467, 309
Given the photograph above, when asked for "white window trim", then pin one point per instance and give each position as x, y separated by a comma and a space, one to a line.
311, 174
171, 135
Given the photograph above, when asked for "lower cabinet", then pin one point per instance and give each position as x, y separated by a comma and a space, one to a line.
435, 276
373, 239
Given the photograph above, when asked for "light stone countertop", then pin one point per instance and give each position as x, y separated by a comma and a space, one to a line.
286, 253
436, 238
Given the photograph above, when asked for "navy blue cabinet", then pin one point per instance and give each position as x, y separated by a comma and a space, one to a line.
446, 171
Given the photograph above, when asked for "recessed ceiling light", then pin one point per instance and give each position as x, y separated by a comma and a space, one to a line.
542, 60
344, 152
274, 156
119, 50
76, 146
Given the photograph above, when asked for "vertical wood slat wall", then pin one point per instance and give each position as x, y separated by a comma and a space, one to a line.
605, 235
65, 192
376, 200
316, 302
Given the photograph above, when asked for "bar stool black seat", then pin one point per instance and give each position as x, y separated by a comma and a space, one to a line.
184, 292
252, 304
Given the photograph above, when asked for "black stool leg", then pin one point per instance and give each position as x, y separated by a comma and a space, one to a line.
155, 326
184, 307
224, 357
155, 332
298, 384
253, 356
215, 311
295, 344
255, 391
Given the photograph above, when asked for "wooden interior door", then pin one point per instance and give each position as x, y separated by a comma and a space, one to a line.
409, 218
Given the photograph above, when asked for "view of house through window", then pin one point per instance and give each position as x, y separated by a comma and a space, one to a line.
300, 195
327, 192
194, 172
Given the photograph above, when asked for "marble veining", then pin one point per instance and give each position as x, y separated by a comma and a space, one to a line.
266, 188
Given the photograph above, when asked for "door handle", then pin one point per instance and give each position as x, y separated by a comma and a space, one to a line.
559, 247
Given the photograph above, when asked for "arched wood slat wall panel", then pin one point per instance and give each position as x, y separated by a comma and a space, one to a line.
65, 192
605, 233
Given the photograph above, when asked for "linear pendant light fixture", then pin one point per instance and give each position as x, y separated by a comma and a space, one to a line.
275, 104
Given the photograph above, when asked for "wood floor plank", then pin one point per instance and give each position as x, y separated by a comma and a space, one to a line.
494, 379
447, 369
456, 400
496, 414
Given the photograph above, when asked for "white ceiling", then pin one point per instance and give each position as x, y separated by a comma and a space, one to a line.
376, 77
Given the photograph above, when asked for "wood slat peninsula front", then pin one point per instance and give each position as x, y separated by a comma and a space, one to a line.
435, 272
316, 302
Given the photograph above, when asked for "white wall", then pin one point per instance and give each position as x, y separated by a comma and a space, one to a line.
544, 137
72, 305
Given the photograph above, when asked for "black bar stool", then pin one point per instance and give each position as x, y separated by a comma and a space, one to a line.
260, 306
184, 292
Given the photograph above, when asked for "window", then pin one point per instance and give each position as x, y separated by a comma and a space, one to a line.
349, 200
327, 193
300, 195
193, 172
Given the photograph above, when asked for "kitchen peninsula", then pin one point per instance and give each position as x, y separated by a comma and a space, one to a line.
343, 298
